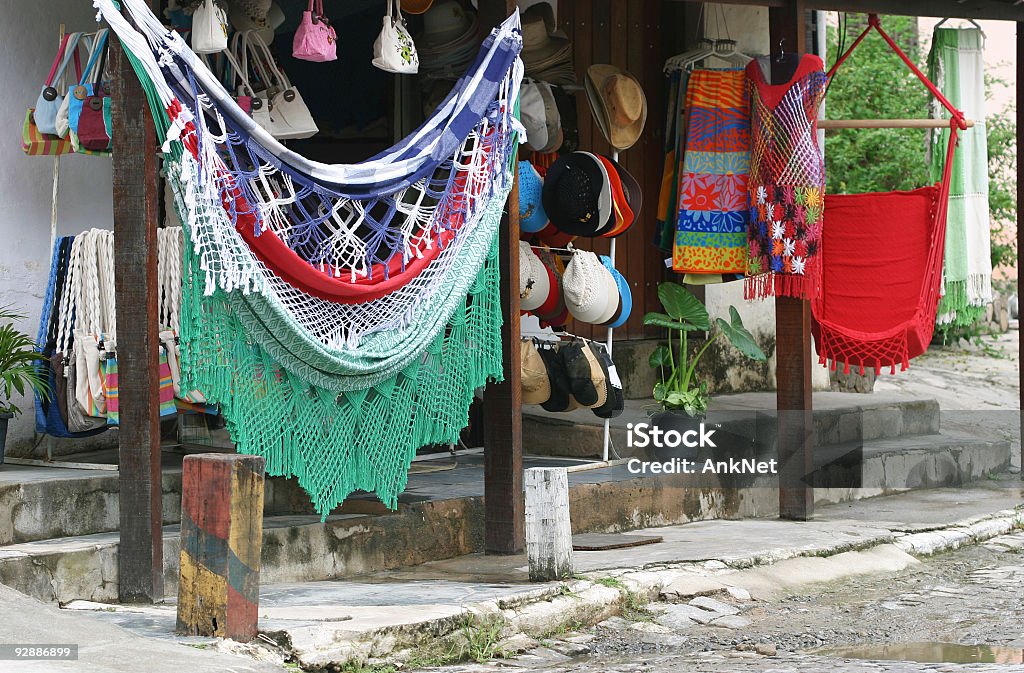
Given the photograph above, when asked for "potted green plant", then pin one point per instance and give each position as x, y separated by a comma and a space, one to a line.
684, 400
18, 372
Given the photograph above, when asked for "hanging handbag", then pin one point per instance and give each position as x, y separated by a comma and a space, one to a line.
170, 345
89, 394
209, 28
236, 81
315, 39
61, 122
94, 123
258, 99
50, 99
289, 117
35, 143
85, 90
78, 419
394, 50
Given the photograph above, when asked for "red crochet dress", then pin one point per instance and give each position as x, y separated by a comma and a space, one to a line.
787, 182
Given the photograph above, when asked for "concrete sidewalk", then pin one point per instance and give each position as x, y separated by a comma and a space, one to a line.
104, 647
381, 615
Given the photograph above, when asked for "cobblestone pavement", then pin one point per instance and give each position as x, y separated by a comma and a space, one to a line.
973, 596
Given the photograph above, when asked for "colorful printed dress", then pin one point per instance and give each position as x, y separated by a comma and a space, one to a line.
711, 226
787, 182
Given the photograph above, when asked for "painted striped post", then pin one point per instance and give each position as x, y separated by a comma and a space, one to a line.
221, 537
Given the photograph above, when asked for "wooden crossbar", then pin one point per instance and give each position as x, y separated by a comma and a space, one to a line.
887, 123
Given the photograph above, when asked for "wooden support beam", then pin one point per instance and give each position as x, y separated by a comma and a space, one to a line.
996, 10
221, 536
504, 515
792, 328
136, 185
888, 123
548, 529
1020, 214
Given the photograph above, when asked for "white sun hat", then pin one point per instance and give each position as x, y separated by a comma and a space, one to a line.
534, 282
586, 288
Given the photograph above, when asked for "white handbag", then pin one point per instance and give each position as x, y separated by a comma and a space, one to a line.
394, 50
289, 117
209, 28
259, 103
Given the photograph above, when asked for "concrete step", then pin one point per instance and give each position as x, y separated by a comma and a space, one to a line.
46, 502
839, 418
441, 516
54, 502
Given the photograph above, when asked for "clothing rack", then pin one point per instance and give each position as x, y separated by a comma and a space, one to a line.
568, 249
608, 341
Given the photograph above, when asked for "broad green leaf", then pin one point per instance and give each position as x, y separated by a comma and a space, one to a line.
661, 357
659, 392
676, 398
681, 305
662, 320
739, 337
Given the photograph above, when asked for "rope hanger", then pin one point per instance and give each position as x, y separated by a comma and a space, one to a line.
956, 120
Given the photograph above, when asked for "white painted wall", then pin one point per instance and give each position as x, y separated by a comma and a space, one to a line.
749, 27
29, 35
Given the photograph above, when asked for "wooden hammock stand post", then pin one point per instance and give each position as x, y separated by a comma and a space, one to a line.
504, 501
787, 25
136, 186
1020, 230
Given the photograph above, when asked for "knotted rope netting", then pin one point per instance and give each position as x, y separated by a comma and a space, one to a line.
340, 315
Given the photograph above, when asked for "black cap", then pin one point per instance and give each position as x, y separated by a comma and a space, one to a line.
616, 400
572, 192
581, 385
560, 393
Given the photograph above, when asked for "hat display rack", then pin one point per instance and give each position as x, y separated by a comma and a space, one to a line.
587, 195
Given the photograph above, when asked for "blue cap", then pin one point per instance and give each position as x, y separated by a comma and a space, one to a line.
532, 217
626, 296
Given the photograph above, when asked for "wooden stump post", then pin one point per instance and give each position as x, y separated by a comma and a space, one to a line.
221, 537
548, 531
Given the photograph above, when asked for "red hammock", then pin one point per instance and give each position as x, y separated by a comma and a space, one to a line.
882, 261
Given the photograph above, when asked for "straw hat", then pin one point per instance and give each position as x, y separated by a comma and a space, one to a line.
534, 375
618, 103
544, 46
444, 24
416, 6
263, 16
